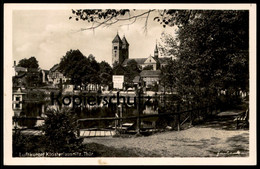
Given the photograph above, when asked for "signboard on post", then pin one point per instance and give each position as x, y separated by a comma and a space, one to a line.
118, 81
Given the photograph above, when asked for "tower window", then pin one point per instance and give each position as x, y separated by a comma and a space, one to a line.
115, 47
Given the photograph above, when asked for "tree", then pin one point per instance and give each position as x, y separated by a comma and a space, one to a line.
84, 70
131, 71
107, 17
93, 72
60, 128
169, 77
118, 69
212, 51
105, 73
33, 77
75, 66
212, 45
29, 63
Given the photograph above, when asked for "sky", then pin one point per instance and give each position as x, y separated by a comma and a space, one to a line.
49, 34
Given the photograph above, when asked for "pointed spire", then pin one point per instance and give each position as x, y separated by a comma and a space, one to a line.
156, 53
124, 40
117, 39
156, 48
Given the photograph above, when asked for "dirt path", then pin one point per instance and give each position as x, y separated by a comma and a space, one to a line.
193, 142
216, 137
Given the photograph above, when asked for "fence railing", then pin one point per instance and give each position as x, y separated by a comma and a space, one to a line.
179, 117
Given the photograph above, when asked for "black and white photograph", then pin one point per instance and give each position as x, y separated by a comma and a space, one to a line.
109, 84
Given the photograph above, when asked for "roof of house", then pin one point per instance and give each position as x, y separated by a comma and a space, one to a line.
18, 91
163, 60
150, 73
136, 79
54, 68
20, 69
138, 60
45, 71
117, 39
33, 70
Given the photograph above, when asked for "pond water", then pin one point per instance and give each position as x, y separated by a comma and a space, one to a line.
37, 108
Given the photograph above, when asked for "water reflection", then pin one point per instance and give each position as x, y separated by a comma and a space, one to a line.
37, 109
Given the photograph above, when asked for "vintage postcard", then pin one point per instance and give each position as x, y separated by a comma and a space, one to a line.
129, 84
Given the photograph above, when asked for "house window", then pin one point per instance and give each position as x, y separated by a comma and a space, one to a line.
17, 105
17, 98
115, 47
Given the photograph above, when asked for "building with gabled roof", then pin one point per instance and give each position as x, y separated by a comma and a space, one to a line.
120, 55
150, 77
55, 76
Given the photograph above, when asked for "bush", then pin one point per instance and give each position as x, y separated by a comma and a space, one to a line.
228, 102
60, 129
26, 143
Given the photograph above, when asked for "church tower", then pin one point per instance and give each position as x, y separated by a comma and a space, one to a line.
116, 49
156, 53
125, 47
120, 50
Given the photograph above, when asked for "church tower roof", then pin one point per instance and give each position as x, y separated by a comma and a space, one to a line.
125, 41
156, 52
117, 39
156, 48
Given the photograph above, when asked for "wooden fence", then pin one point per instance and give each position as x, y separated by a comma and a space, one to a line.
181, 117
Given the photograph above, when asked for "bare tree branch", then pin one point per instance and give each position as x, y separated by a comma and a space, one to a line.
129, 23
110, 21
146, 21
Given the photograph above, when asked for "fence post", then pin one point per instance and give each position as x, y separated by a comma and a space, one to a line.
138, 111
191, 117
178, 121
198, 110
178, 117
78, 129
237, 123
211, 109
121, 115
207, 110
216, 109
116, 121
